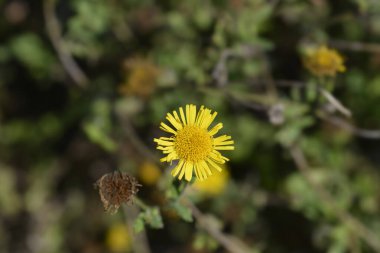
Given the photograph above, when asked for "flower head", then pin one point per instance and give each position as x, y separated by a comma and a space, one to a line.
141, 78
149, 173
118, 238
323, 61
192, 143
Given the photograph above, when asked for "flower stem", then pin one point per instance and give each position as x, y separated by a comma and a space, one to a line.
140, 203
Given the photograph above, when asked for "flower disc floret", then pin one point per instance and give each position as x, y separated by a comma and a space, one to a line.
193, 143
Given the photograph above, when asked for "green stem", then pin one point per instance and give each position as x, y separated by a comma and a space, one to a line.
182, 186
140, 203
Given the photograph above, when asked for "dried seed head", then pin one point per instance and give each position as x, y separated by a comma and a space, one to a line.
116, 188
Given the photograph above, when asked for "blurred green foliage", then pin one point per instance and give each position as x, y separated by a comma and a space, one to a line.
57, 137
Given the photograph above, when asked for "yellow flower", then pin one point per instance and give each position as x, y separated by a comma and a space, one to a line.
141, 79
324, 61
215, 185
118, 239
149, 173
192, 144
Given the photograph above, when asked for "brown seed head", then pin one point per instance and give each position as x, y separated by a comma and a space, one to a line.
116, 188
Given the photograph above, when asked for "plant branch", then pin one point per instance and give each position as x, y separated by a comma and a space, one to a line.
54, 33
261, 104
356, 46
140, 203
230, 243
339, 122
330, 97
137, 142
357, 227
335, 102
220, 71
140, 240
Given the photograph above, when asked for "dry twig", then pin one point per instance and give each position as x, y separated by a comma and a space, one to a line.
140, 241
356, 46
220, 72
339, 122
357, 227
230, 243
330, 97
137, 142
54, 32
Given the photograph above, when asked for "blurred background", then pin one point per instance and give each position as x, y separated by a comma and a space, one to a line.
85, 84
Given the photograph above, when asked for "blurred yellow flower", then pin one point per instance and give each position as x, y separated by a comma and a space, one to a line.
192, 144
323, 61
141, 78
149, 173
118, 239
215, 185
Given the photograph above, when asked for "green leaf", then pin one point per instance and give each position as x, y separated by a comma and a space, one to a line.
98, 127
183, 211
152, 217
203, 241
31, 51
139, 224
97, 135
311, 92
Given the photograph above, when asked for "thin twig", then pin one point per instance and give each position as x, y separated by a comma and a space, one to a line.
357, 227
220, 72
270, 82
140, 203
335, 102
140, 240
137, 142
230, 243
356, 46
339, 122
54, 32
252, 101
364, 133
330, 97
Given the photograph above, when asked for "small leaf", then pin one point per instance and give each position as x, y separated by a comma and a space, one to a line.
171, 192
96, 135
183, 211
31, 51
203, 241
98, 126
152, 217
139, 224
311, 92
156, 218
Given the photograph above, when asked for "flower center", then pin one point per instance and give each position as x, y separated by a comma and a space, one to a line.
193, 143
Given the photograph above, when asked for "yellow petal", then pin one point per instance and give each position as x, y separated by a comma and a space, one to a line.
167, 128
213, 164
173, 121
182, 116
177, 168
189, 171
215, 129
224, 148
163, 142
